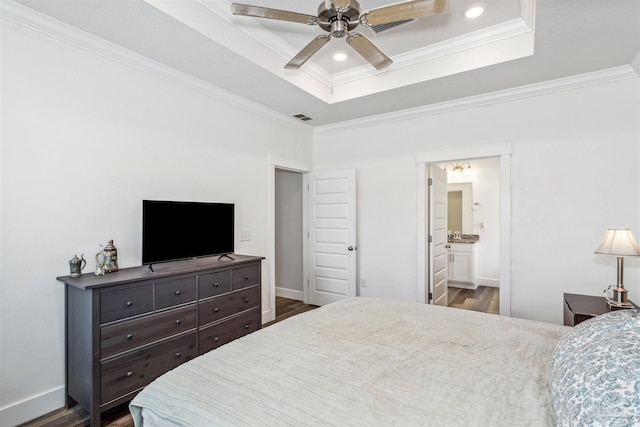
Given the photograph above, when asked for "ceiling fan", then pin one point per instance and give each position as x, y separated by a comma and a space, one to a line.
339, 17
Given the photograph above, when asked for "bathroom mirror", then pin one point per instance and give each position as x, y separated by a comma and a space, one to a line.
460, 207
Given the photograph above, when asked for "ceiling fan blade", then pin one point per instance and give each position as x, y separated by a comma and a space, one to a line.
265, 12
307, 52
368, 50
404, 11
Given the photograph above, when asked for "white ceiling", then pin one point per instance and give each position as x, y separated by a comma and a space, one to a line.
436, 59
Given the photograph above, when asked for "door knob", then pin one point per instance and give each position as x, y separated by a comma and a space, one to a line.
350, 248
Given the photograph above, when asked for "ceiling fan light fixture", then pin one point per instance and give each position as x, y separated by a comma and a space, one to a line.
339, 56
474, 11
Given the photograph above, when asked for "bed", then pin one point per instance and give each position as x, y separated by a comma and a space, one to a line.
377, 362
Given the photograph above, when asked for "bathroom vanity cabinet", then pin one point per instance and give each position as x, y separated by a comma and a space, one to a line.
462, 265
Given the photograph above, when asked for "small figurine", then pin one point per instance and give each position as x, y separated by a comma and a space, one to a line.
107, 259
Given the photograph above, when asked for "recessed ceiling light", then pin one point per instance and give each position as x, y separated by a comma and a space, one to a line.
474, 11
340, 56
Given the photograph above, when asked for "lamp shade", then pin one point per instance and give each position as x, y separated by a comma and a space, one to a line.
618, 242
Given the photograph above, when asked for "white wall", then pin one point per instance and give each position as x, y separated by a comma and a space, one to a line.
84, 140
574, 172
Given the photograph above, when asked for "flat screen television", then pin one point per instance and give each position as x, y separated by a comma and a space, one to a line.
185, 230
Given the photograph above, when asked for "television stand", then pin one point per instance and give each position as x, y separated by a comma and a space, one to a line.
150, 268
225, 256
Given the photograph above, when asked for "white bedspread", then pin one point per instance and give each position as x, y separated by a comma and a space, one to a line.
367, 362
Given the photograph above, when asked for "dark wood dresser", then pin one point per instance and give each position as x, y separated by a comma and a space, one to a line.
126, 328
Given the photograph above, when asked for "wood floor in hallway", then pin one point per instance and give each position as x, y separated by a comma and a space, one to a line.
484, 298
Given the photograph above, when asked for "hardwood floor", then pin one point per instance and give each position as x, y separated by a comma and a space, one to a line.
483, 298
119, 416
286, 308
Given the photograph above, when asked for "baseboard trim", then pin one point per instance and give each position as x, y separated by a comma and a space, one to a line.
289, 293
492, 283
266, 316
459, 285
33, 407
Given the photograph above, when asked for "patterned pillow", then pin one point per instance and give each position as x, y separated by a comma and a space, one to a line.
595, 373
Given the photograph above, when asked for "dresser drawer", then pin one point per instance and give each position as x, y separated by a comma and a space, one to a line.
225, 305
244, 276
123, 303
132, 372
213, 284
226, 331
175, 292
128, 335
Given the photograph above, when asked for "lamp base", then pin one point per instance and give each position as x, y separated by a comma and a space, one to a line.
619, 297
614, 305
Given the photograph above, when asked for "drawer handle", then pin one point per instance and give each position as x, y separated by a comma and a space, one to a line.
177, 292
216, 339
129, 336
215, 310
128, 304
245, 299
178, 354
246, 326
178, 321
215, 285
129, 374
246, 277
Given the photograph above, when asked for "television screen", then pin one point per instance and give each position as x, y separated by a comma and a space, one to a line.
183, 230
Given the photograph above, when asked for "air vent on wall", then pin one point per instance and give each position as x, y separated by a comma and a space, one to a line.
302, 117
378, 29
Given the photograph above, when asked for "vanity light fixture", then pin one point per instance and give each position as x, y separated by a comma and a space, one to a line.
618, 242
474, 11
458, 167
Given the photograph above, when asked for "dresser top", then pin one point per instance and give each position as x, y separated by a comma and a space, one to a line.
160, 270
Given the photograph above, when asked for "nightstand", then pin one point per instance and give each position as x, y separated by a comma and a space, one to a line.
578, 308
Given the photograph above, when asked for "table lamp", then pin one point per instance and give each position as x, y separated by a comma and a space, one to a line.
619, 242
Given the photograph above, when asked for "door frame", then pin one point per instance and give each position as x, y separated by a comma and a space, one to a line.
280, 162
501, 150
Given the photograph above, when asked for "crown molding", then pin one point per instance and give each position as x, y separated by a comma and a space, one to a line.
30, 20
558, 85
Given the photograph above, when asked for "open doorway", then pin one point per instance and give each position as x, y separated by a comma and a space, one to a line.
292, 176
503, 152
328, 255
289, 229
473, 224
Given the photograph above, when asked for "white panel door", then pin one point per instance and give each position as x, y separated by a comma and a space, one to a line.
332, 236
438, 235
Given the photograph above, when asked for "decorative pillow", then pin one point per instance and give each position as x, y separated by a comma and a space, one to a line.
595, 374
595, 329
